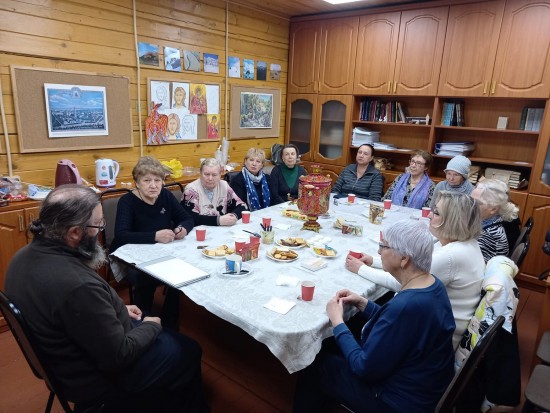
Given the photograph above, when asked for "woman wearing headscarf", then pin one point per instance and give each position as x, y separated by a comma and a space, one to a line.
456, 178
252, 185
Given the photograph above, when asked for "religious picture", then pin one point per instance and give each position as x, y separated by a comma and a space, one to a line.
160, 94
156, 127
174, 127
192, 60
248, 69
180, 96
261, 73
213, 128
211, 63
197, 103
172, 59
234, 66
148, 54
256, 110
275, 71
189, 127
74, 110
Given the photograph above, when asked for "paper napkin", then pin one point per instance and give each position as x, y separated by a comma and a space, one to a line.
287, 280
282, 227
279, 305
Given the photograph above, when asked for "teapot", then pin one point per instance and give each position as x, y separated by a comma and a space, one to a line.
106, 171
67, 173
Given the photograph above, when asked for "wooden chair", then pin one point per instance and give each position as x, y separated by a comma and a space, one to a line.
32, 353
464, 374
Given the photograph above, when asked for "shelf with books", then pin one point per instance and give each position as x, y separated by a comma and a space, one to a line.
390, 124
468, 129
478, 159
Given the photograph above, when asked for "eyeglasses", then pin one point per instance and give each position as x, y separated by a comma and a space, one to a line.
435, 211
411, 162
100, 227
383, 246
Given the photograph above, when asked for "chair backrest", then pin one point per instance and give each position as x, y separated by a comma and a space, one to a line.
524, 232
520, 251
463, 375
109, 201
26, 342
176, 188
229, 176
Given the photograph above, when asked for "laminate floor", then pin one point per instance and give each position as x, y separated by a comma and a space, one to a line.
240, 375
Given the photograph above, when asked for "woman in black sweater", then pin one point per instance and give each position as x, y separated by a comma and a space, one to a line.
285, 177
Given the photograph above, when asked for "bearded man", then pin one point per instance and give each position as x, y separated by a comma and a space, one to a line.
99, 349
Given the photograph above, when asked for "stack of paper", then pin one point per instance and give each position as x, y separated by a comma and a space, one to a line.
511, 178
382, 145
173, 271
361, 136
454, 148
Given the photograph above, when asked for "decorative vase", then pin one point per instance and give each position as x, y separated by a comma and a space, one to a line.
313, 197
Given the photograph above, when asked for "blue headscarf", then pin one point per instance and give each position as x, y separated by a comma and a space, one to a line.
419, 193
251, 194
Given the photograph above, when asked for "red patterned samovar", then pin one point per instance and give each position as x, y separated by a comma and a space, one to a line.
313, 197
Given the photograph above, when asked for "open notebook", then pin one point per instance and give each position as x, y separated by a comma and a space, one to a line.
173, 271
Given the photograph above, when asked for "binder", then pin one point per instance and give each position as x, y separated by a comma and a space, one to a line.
173, 271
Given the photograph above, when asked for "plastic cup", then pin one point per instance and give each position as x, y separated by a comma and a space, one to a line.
266, 222
200, 232
387, 203
239, 244
351, 198
268, 237
233, 263
355, 254
425, 212
307, 290
254, 240
245, 217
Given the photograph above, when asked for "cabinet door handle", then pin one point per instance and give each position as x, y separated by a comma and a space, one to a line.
493, 88
31, 217
485, 88
394, 87
21, 223
389, 86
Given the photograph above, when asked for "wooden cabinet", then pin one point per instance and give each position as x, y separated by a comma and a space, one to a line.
495, 51
400, 53
322, 56
13, 236
319, 125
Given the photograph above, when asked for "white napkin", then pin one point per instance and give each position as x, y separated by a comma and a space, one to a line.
279, 305
282, 227
287, 280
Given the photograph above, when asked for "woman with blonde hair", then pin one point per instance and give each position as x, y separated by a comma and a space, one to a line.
493, 198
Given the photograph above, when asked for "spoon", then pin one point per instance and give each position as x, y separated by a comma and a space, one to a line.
236, 273
253, 233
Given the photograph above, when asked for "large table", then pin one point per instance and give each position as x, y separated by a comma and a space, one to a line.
295, 337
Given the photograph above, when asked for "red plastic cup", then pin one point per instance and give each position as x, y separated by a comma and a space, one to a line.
239, 244
307, 290
425, 212
200, 233
254, 240
245, 217
266, 222
355, 254
387, 203
351, 198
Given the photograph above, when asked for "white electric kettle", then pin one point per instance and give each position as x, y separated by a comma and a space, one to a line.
106, 171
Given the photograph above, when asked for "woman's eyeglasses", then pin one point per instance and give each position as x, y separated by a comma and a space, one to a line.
100, 227
412, 162
383, 246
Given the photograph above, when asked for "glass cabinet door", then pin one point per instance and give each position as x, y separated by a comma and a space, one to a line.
333, 144
301, 124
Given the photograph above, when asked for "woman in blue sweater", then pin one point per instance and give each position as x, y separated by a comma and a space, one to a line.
403, 361
150, 214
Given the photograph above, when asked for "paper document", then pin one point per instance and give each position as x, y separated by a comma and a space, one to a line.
173, 271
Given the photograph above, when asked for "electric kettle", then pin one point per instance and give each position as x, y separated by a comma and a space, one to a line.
106, 171
67, 173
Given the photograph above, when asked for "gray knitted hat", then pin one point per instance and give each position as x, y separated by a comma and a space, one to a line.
459, 164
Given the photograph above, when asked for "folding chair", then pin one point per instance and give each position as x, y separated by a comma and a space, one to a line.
520, 251
176, 188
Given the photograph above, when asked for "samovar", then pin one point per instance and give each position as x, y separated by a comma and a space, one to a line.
313, 197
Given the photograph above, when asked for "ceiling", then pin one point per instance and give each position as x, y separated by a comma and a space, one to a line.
292, 8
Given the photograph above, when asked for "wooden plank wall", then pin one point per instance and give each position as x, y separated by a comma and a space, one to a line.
98, 36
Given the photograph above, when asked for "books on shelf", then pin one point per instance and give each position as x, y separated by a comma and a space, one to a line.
373, 110
473, 176
452, 113
454, 148
531, 119
173, 271
512, 178
361, 136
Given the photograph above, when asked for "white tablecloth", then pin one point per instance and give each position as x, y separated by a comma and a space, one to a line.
294, 338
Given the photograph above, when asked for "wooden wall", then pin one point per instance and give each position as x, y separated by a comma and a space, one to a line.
98, 36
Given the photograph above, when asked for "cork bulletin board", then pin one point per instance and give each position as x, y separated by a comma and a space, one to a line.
31, 111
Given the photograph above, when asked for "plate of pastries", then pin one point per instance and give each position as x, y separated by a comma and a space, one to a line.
282, 254
218, 252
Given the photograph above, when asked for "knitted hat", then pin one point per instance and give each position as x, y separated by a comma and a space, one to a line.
459, 164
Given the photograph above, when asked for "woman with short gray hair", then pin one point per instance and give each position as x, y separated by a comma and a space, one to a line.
457, 260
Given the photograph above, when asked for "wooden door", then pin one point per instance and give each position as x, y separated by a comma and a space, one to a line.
376, 50
301, 123
522, 65
333, 129
338, 49
419, 51
304, 57
470, 49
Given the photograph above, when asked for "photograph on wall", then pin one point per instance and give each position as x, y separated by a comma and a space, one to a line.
192, 60
234, 66
213, 99
180, 96
256, 110
261, 71
172, 59
197, 105
74, 110
213, 126
275, 71
211, 63
148, 54
248, 69
189, 127
160, 93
